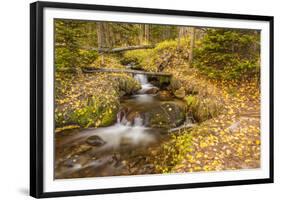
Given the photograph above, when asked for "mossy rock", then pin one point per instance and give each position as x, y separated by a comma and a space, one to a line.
126, 84
95, 113
180, 93
161, 82
202, 108
175, 84
95, 140
167, 115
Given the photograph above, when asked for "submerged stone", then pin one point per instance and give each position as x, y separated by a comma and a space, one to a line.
164, 95
95, 141
152, 90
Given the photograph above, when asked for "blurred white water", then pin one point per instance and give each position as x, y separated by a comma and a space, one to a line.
145, 85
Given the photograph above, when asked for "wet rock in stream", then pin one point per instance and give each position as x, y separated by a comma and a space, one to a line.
132, 115
162, 115
70, 163
152, 90
95, 141
167, 115
164, 95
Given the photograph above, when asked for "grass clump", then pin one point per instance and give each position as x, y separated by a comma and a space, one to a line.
67, 59
140, 58
107, 61
165, 54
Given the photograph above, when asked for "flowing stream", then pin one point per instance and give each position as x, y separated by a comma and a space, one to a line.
120, 149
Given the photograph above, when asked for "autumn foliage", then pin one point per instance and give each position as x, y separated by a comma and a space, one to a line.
219, 86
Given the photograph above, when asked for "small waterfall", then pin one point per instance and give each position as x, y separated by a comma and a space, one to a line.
141, 78
121, 118
120, 115
138, 121
145, 85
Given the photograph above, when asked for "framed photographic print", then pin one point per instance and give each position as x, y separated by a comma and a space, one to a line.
127, 99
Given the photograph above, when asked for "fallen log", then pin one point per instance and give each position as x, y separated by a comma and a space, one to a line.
121, 49
182, 127
66, 70
97, 70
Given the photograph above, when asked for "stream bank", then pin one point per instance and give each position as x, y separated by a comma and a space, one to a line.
126, 147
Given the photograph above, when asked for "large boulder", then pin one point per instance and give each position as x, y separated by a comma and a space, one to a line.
163, 115
126, 84
175, 84
203, 108
167, 115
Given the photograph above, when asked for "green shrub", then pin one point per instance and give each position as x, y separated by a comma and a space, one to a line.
124, 83
158, 58
107, 61
167, 45
67, 59
141, 58
64, 58
228, 54
95, 112
87, 57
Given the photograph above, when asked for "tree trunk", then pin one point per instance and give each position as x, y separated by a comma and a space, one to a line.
146, 33
103, 41
182, 33
104, 33
140, 34
100, 36
166, 33
192, 44
111, 37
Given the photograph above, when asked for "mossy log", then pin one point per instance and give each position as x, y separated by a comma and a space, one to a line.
96, 70
121, 49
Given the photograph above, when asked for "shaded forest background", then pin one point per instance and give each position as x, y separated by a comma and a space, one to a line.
216, 52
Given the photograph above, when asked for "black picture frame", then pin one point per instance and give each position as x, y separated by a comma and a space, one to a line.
37, 98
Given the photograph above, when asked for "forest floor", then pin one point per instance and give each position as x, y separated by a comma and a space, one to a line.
228, 141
